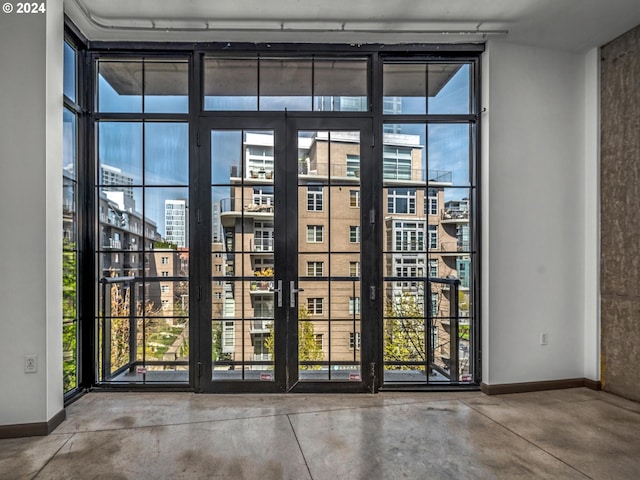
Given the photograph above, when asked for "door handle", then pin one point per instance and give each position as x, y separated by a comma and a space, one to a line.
278, 292
292, 293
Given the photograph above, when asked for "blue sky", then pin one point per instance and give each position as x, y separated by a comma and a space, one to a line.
165, 146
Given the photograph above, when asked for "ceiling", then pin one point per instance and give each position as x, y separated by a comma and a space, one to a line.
575, 25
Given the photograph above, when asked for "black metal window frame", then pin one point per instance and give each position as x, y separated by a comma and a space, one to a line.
89, 51
78, 108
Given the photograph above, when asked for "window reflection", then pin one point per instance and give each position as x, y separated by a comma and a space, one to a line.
303, 84
69, 81
121, 88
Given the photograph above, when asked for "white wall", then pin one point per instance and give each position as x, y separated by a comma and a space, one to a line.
537, 248
31, 214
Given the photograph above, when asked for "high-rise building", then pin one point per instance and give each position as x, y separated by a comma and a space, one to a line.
175, 222
112, 179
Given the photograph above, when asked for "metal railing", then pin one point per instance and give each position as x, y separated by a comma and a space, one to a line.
122, 306
431, 332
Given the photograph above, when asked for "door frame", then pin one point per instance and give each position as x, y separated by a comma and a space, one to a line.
285, 127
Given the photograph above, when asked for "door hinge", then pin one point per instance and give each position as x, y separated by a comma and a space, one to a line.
373, 141
198, 139
199, 369
198, 216
372, 217
199, 293
372, 292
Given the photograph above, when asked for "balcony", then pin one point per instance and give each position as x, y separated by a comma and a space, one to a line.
261, 357
454, 216
260, 325
233, 208
453, 248
111, 243
261, 287
261, 245
256, 173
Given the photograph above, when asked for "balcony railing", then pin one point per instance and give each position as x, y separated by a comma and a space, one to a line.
126, 342
438, 334
454, 247
453, 215
261, 326
235, 205
261, 286
261, 245
262, 357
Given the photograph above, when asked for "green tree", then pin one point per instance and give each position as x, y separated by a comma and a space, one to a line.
404, 331
69, 315
308, 349
216, 343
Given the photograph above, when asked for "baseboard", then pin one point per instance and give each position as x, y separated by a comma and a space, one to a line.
33, 429
501, 389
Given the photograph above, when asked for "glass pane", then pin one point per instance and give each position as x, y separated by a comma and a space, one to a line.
166, 298
345, 264
118, 331
120, 263
166, 208
346, 343
69, 215
340, 85
454, 220
120, 155
69, 144
313, 348
226, 298
69, 284
313, 265
405, 323
449, 88
120, 86
164, 340
226, 156
69, 82
313, 157
69, 354
259, 155
223, 338
166, 87
344, 154
230, 84
404, 156
285, 84
404, 89
166, 153
345, 229
449, 153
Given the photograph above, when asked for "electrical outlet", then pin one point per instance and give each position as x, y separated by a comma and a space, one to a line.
30, 363
544, 338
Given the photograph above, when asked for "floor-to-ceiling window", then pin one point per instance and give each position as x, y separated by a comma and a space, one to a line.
142, 257
70, 234
238, 194
429, 125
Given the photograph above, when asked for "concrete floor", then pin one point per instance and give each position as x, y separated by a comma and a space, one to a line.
563, 434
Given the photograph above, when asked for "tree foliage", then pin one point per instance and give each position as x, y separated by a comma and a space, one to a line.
69, 315
404, 331
308, 349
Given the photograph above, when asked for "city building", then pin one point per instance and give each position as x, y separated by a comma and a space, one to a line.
175, 222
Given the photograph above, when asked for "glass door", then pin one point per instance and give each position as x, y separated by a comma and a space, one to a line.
280, 225
327, 324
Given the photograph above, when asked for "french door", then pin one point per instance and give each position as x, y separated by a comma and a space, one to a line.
284, 214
